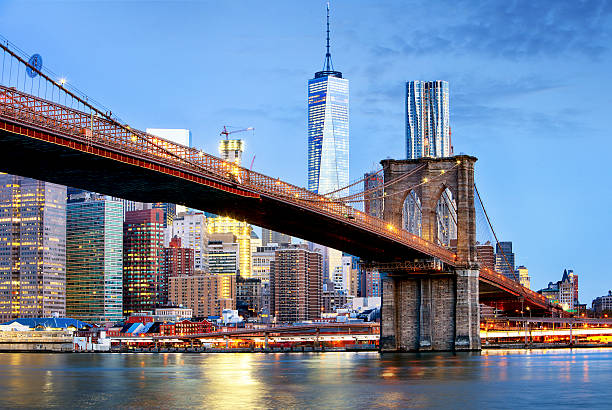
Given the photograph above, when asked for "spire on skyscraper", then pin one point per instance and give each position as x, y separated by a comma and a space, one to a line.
328, 65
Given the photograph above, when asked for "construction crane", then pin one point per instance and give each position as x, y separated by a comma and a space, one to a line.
227, 133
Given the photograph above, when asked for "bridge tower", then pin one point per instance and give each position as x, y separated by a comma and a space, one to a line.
427, 305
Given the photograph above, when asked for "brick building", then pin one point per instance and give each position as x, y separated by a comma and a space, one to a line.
295, 285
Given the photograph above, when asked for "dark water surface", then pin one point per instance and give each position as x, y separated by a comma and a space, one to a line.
579, 378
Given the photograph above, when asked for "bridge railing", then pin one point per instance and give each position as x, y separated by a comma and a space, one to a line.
92, 128
499, 279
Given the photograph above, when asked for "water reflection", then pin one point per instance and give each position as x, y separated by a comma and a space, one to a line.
492, 379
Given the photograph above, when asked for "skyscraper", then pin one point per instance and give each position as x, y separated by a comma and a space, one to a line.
32, 248
504, 259
328, 128
427, 120
144, 282
94, 265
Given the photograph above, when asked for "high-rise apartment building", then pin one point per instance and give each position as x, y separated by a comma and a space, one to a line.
373, 188
295, 285
204, 294
268, 236
191, 228
504, 259
428, 132
486, 255
144, 281
94, 260
32, 248
242, 231
370, 283
231, 150
177, 259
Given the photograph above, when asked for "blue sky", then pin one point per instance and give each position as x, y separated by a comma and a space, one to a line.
530, 93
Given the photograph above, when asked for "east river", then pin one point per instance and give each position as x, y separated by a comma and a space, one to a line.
491, 379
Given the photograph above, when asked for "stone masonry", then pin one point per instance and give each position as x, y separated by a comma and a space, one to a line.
432, 310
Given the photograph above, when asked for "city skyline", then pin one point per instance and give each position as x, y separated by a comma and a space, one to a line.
521, 109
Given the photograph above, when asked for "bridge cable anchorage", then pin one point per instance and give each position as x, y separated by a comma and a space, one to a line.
494, 234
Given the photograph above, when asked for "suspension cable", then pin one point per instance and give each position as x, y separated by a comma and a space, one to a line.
495, 235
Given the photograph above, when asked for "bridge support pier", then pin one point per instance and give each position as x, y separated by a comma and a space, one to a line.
429, 312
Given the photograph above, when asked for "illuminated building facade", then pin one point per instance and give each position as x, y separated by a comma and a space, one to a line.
224, 261
169, 211
522, 273
261, 260
242, 231
231, 150
370, 283
603, 304
94, 260
428, 131
328, 128
296, 284
203, 293
32, 248
144, 282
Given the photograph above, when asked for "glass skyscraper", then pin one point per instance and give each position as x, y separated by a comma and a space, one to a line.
32, 248
428, 132
328, 128
94, 257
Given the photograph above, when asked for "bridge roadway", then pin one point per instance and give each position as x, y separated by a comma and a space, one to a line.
48, 141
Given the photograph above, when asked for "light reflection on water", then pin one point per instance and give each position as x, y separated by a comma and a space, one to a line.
491, 379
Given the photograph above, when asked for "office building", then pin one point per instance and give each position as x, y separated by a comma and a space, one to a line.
169, 211
94, 260
564, 291
603, 304
428, 132
295, 285
205, 294
32, 248
328, 128
178, 260
522, 273
224, 261
144, 281
332, 300
268, 237
191, 229
242, 231
373, 194
504, 259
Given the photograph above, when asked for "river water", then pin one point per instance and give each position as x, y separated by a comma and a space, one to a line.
491, 379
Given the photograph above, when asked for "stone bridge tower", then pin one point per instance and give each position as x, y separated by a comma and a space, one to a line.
434, 307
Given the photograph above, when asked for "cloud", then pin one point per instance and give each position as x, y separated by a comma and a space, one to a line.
509, 29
